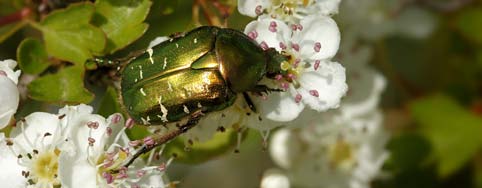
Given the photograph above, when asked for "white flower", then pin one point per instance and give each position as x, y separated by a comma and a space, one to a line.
33, 153
67, 150
311, 79
102, 146
9, 91
333, 153
288, 10
274, 178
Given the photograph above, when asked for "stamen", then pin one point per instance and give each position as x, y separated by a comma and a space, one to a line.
298, 98
295, 46
264, 46
258, 10
93, 124
317, 64
134, 143
314, 93
278, 77
108, 131
116, 119
149, 141
108, 177
317, 47
129, 123
91, 141
3, 73
282, 45
272, 26
253, 34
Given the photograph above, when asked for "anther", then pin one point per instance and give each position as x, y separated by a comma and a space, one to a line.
314, 93
116, 119
149, 141
317, 47
298, 98
282, 45
316, 65
253, 34
258, 10
296, 47
129, 123
264, 46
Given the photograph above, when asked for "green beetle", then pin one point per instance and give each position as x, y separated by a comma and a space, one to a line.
197, 73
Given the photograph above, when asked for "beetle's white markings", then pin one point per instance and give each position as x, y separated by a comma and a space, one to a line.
165, 63
135, 80
170, 40
150, 52
177, 45
130, 107
199, 105
163, 110
146, 121
142, 91
140, 72
169, 87
195, 40
186, 110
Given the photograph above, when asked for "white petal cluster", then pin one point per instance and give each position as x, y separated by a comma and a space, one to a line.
8, 89
73, 148
342, 148
287, 10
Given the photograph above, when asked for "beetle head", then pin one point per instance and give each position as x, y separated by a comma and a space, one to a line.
274, 60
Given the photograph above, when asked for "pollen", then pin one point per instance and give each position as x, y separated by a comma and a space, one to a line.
45, 167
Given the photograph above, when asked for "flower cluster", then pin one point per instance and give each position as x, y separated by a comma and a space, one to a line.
73, 148
304, 32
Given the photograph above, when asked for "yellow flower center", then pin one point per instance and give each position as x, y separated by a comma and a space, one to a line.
45, 167
341, 154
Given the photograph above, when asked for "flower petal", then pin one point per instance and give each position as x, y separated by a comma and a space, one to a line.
274, 178
327, 7
11, 173
366, 86
9, 100
248, 7
7, 66
40, 128
318, 29
272, 38
279, 107
328, 81
284, 148
76, 173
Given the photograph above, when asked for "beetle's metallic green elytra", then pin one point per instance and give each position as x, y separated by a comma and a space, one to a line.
203, 70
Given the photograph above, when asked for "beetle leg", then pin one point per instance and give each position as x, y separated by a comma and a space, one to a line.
260, 89
249, 101
164, 138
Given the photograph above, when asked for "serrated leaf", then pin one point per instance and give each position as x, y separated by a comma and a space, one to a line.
121, 20
65, 86
453, 131
469, 24
199, 152
69, 35
9, 30
32, 56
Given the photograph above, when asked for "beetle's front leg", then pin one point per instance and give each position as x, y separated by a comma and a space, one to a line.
260, 89
160, 139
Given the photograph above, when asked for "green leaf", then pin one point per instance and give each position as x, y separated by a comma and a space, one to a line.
9, 30
65, 86
32, 56
110, 103
453, 131
408, 151
199, 152
121, 20
69, 35
469, 24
